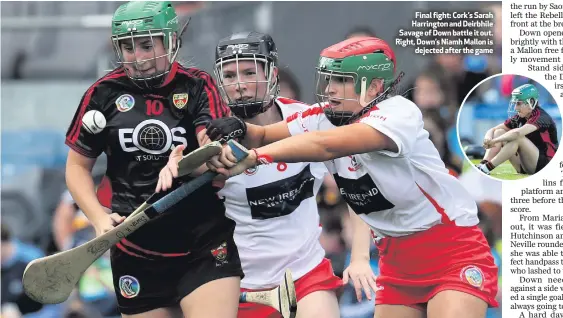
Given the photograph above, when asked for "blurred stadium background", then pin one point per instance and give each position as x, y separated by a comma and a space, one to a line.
51, 52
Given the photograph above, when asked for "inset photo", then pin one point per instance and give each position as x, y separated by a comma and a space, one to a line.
509, 127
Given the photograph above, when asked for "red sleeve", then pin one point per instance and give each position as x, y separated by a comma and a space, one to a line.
77, 137
539, 119
210, 104
104, 192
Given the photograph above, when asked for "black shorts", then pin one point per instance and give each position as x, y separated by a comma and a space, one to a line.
145, 280
543, 160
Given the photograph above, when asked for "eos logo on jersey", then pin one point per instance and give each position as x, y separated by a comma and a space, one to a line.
281, 197
362, 194
152, 137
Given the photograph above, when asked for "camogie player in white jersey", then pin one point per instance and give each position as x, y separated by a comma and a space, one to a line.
274, 207
434, 260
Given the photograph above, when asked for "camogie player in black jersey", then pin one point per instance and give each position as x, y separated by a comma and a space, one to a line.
151, 104
528, 139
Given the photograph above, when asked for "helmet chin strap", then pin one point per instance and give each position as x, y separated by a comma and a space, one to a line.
172, 57
363, 92
383, 95
535, 103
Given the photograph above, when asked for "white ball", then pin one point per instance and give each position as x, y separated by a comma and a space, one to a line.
94, 122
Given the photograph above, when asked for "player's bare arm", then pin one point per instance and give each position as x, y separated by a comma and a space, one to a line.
265, 135
275, 132
361, 239
515, 134
329, 144
314, 146
81, 185
490, 133
62, 223
359, 271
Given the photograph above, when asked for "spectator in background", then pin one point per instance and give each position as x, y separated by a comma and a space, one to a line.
462, 74
360, 30
15, 255
487, 226
494, 61
433, 97
289, 87
66, 221
71, 228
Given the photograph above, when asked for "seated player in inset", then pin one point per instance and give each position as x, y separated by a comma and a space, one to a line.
528, 139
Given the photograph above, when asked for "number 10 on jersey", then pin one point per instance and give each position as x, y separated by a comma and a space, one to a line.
154, 107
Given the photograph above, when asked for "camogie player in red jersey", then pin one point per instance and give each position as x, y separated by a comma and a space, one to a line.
274, 206
434, 260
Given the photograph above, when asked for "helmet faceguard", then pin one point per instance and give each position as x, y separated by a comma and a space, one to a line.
260, 50
358, 61
151, 20
526, 94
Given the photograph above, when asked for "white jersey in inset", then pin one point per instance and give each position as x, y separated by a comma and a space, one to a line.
277, 220
395, 193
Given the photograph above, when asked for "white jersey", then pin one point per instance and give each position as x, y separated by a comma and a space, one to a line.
399, 193
277, 220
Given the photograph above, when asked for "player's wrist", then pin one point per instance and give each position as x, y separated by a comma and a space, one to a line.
260, 158
360, 258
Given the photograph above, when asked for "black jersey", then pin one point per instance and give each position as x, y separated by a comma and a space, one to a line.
142, 126
545, 137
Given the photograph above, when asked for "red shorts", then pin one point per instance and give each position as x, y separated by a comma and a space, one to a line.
414, 268
319, 278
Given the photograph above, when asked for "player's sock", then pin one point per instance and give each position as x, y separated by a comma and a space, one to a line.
490, 165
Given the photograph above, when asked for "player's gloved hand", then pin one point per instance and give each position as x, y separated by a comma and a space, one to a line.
362, 276
225, 129
106, 223
170, 171
226, 163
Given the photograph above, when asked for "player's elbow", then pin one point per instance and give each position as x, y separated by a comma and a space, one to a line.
330, 147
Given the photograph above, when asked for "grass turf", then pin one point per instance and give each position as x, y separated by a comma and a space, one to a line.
504, 172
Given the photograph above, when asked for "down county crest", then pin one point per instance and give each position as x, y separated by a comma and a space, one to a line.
180, 100
220, 253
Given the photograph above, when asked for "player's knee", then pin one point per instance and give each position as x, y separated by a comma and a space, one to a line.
498, 133
513, 143
521, 139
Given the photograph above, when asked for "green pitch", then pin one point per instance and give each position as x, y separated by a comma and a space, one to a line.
504, 172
